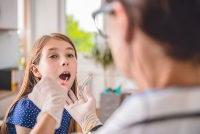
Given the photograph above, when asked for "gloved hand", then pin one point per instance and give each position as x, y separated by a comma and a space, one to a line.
50, 97
83, 109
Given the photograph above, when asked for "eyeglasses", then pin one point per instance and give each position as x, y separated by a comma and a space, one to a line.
99, 16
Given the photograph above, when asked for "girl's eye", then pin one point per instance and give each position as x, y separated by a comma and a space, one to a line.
53, 56
70, 55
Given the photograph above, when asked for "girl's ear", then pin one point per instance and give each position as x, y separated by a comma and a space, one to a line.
35, 71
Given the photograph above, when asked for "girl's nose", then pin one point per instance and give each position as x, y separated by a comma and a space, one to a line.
65, 64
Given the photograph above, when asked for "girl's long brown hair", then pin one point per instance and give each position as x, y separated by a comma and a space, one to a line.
29, 80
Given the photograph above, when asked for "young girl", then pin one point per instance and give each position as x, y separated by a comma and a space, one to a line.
53, 56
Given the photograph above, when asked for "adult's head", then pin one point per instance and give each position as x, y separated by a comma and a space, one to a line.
148, 35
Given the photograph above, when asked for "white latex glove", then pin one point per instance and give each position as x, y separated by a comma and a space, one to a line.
83, 109
48, 96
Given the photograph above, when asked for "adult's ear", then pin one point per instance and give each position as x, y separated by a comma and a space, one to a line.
122, 20
35, 71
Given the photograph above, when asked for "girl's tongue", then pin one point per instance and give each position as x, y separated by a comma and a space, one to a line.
65, 76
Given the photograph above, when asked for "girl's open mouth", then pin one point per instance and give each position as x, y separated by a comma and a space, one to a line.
65, 76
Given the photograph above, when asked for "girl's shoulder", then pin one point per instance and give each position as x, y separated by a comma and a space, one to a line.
25, 105
23, 113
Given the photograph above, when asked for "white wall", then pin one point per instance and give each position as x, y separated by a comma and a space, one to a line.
47, 16
9, 53
9, 40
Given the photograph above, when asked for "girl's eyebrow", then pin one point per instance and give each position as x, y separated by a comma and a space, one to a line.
69, 48
54, 48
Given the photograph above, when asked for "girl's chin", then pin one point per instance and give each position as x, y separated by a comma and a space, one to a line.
64, 84
65, 87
